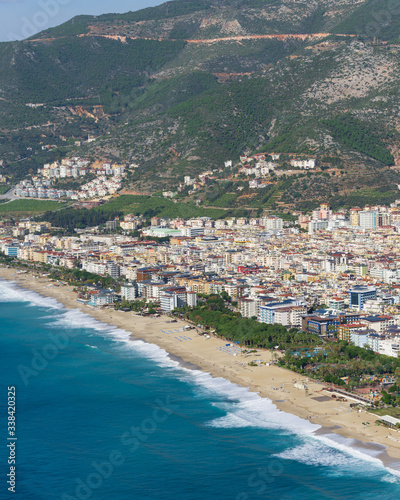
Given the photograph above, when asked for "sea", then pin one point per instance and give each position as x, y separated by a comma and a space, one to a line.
101, 416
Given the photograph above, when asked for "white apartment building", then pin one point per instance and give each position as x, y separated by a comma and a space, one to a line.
248, 307
368, 219
390, 347
129, 291
306, 164
272, 223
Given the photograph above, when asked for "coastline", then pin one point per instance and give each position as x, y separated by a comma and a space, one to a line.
194, 351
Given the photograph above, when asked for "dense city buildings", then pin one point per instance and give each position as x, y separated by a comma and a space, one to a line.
340, 281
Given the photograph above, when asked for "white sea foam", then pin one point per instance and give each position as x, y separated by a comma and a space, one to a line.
243, 408
75, 318
351, 446
11, 292
339, 453
155, 353
323, 452
262, 413
389, 478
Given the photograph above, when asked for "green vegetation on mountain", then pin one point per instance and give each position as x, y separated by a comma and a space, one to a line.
166, 94
227, 120
81, 66
373, 18
362, 197
226, 200
360, 137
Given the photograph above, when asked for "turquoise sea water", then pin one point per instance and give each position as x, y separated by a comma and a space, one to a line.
103, 417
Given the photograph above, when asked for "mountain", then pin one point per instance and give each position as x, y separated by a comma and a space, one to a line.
184, 86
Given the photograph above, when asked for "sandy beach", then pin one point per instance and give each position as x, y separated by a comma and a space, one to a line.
212, 355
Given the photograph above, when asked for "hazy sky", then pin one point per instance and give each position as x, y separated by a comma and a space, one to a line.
21, 19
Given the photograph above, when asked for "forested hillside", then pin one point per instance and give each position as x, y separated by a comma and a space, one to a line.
183, 87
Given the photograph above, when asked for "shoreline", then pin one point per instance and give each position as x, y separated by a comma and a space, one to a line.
213, 356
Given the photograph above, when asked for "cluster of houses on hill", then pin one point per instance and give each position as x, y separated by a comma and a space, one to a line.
259, 165
41, 188
69, 167
79, 167
107, 181
108, 177
262, 165
195, 183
